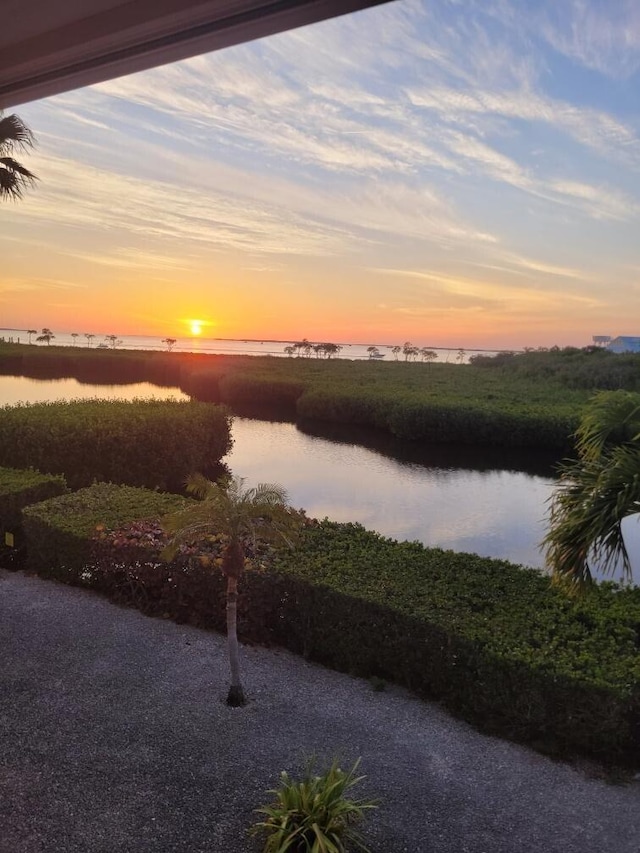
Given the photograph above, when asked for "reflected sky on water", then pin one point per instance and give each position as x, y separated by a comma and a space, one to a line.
492, 512
20, 389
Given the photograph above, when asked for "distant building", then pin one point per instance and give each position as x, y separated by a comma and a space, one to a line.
601, 340
624, 344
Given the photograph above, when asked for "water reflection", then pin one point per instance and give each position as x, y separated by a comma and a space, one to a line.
20, 389
540, 463
490, 512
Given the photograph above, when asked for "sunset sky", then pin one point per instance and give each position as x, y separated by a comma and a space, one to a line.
449, 172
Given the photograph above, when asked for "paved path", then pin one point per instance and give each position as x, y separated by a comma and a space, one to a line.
114, 737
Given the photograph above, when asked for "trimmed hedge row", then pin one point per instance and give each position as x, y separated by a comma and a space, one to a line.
492, 641
433, 421
59, 531
151, 443
18, 489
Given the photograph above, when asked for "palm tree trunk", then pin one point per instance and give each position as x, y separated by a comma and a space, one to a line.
236, 696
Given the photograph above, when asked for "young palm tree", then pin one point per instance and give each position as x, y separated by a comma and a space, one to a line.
238, 513
14, 177
596, 492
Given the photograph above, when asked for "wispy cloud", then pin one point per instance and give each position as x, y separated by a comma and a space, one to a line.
17, 285
599, 35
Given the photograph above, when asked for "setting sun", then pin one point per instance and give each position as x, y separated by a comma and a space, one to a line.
196, 327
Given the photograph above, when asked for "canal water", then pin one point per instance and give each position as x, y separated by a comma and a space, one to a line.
487, 501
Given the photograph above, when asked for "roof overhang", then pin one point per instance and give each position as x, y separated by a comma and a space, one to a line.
51, 47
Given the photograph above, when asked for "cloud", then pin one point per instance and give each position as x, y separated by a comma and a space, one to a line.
590, 127
17, 285
474, 295
599, 35
186, 218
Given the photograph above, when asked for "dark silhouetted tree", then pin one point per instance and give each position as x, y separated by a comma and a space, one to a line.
47, 335
14, 177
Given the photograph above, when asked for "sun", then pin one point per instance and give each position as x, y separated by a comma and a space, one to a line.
196, 327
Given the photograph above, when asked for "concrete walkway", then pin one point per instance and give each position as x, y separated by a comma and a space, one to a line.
114, 737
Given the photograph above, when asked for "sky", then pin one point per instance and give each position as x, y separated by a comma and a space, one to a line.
449, 172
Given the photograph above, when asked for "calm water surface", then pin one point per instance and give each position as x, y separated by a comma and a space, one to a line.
486, 501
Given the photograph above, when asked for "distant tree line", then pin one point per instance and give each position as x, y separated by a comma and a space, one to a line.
588, 367
110, 341
305, 348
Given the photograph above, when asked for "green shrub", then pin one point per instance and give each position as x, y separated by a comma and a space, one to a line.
492, 640
59, 531
19, 488
244, 388
150, 443
315, 814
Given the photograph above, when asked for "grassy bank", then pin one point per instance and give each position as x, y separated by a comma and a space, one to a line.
528, 400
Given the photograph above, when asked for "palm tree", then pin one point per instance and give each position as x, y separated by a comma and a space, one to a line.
227, 507
89, 338
113, 340
74, 335
14, 177
31, 332
47, 335
596, 492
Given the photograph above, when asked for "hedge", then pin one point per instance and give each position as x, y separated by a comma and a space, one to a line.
59, 531
150, 443
19, 488
490, 640
466, 422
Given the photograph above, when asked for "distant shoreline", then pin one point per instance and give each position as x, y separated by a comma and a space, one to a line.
286, 341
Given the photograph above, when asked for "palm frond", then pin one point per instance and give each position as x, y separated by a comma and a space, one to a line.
587, 510
612, 416
14, 133
227, 507
14, 178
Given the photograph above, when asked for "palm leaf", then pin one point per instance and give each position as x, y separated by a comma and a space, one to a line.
612, 417
14, 133
595, 494
227, 507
